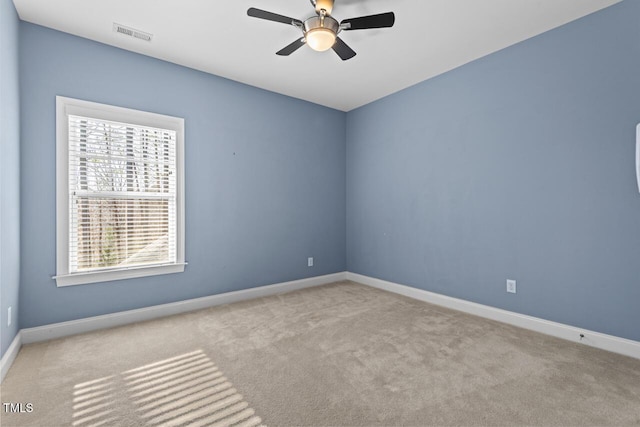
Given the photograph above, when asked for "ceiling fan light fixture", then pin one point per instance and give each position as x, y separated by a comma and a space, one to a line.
320, 39
320, 32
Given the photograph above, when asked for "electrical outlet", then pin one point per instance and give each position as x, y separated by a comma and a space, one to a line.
511, 286
9, 316
310, 261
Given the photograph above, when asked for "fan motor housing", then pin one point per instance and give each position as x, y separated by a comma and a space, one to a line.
316, 22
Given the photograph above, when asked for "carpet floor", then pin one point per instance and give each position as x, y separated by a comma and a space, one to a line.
342, 354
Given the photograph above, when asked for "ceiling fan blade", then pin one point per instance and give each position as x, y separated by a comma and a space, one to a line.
270, 16
381, 20
288, 50
343, 51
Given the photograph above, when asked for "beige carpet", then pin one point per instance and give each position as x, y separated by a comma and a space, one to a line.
340, 354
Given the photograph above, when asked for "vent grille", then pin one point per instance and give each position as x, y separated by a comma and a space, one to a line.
132, 32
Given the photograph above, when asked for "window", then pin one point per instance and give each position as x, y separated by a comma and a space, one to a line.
120, 205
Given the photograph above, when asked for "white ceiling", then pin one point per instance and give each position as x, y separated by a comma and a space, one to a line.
430, 37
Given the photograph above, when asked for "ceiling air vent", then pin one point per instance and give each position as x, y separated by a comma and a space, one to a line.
132, 32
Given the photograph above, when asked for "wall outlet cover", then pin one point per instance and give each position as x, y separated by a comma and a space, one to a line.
511, 286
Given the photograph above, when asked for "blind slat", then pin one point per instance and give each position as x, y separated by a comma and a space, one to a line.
106, 196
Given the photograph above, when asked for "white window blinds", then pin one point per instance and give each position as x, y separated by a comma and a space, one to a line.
122, 183
119, 193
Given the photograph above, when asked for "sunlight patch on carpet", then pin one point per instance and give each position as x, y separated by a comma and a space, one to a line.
185, 390
93, 402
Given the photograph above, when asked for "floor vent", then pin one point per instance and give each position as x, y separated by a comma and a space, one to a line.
132, 32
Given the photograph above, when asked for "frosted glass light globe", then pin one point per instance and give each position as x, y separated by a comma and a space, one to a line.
320, 39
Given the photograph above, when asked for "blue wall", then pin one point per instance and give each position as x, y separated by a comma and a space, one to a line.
9, 172
519, 165
265, 177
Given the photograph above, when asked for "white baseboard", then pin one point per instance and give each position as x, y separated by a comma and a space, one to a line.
10, 355
559, 330
73, 327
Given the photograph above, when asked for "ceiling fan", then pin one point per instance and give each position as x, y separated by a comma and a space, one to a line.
321, 31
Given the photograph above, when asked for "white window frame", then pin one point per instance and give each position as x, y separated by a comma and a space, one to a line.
69, 106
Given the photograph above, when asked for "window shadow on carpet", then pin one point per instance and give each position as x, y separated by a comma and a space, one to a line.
188, 389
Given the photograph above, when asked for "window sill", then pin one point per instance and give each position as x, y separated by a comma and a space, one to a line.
119, 274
